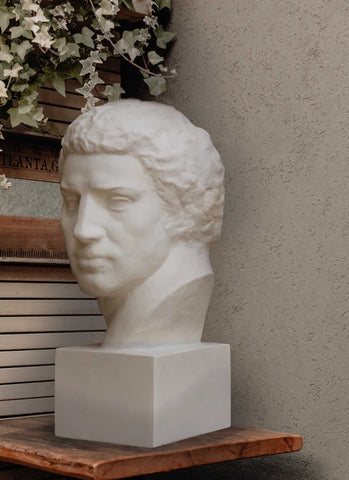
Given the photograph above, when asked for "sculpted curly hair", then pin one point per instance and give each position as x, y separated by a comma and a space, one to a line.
185, 167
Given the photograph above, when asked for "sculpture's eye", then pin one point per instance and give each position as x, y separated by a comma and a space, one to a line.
118, 203
71, 202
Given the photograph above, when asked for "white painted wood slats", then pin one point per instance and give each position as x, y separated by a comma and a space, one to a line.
35, 319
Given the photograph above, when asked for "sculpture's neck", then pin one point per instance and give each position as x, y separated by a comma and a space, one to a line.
168, 308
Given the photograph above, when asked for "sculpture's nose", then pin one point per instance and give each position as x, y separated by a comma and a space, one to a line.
87, 228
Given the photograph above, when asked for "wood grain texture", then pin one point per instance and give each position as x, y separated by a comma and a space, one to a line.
27, 374
42, 324
31, 442
20, 358
27, 406
35, 273
15, 391
22, 341
40, 290
29, 238
48, 307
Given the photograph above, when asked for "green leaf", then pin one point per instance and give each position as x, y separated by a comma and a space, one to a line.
20, 32
128, 4
164, 4
21, 48
154, 58
26, 73
156, 85
127, 44
113, 92
59, 84
163, 38
19, 87
5, 55
85, 37
17, 118
60, 44
5, 17
71, 50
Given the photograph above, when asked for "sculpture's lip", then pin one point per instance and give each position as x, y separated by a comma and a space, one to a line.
91, 264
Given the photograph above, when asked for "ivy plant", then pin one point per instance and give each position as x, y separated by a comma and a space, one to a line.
53, 41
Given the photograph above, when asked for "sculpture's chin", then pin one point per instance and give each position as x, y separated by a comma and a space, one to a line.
92, 288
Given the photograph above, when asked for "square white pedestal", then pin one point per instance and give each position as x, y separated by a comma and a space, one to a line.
142, 397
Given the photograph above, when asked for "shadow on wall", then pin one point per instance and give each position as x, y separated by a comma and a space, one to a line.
280, 467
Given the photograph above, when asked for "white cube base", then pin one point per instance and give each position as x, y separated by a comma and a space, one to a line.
142, 397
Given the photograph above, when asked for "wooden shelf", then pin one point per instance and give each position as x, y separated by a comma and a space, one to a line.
31, 441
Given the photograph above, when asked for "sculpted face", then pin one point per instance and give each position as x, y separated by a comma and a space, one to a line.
112, 222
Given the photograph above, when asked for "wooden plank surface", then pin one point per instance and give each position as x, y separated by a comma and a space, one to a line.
27, 406
51, 324
21, 341
27, 390
27, 374
40, 290
36, 273
31, 238
48, 307
31, 442
19, 358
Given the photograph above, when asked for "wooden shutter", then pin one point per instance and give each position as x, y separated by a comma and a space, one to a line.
41, 308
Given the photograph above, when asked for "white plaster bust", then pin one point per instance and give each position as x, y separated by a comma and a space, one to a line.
142, 205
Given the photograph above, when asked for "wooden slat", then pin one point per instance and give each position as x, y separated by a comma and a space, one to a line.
36, 273
55, 112
48, 307
112, 64
125, 14
31, 441
24, 341
40, 290
109, 77
26, 390
26, 406
51, 324
47, 95
40, 234
27, 374
27, 357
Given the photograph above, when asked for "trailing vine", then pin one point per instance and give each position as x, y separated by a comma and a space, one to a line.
45, 41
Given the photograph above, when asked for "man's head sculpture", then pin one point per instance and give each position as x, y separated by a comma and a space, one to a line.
142, 205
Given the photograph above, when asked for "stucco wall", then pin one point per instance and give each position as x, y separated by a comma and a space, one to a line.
269, 80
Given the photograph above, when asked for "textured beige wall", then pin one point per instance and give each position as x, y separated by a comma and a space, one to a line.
269, 80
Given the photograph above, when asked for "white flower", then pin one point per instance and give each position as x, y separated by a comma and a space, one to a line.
43, 38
